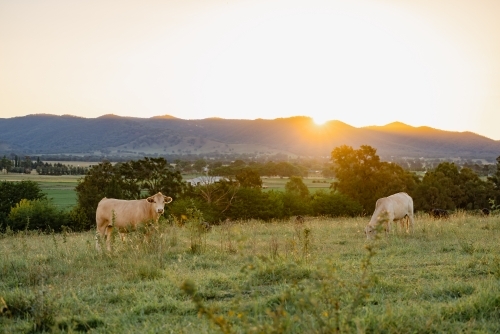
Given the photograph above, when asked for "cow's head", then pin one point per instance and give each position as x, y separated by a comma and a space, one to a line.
159, 200
370, 232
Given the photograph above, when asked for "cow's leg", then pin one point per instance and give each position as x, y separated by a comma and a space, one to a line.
389, 222
97, 241
406, 223
100, 236
109, 231
410, 222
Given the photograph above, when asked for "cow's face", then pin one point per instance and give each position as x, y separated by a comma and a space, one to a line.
370, 232
158, 201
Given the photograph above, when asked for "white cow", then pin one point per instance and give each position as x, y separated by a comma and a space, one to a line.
387, 209
126, 215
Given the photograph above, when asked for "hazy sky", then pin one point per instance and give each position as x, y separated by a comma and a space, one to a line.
363, 62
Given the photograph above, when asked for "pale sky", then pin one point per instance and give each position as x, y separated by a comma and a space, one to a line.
364, 62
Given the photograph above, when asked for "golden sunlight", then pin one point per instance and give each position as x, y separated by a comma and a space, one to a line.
320, 120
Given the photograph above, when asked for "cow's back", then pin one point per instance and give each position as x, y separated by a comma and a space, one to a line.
401, 205
121, 213
396, 206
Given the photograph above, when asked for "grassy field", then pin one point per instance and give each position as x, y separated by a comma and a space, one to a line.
61, 189
254, 277
313, 183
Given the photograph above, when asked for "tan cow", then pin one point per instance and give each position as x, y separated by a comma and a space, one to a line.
387, 209
126, 215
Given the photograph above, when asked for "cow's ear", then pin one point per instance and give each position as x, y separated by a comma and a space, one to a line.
150, 199
168, 199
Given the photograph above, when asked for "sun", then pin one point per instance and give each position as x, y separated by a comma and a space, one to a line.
320, 120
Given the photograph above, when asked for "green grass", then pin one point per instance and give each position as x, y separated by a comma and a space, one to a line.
62, 193
61, 189
258, 277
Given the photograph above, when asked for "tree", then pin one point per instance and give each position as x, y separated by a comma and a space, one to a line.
364, 178
199, 165
448, 188
296, 185
237, 164
435, 191
5, 164
217, 195
249, 178
296, 197
153, 175
495, 180
102, 180
130, 180
286, 169
476, 191
12, 193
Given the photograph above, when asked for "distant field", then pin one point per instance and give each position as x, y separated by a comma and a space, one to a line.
62, 193
61, 189
314, 184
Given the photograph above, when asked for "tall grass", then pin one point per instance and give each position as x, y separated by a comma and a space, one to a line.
251, 276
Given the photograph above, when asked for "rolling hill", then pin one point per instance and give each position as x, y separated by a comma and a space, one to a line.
294, 136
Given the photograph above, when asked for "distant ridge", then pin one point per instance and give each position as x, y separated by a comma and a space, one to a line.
294, 136
164, 117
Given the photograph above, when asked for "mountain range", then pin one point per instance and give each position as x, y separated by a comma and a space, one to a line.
167, 135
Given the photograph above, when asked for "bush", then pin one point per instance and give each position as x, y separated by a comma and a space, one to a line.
12, 193
78, 220
294, 204
252, 203
180, 207
37, 215
334, 205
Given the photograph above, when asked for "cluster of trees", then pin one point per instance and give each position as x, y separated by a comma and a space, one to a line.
26, 164
270, 168
360, 179
60, 169
422, 165
240, 196
361, 175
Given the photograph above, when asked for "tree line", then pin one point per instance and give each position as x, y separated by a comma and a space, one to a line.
27, 164
361, 177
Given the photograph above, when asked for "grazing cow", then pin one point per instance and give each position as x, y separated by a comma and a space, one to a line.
439, 213
299, 220
387, 209
126, 215
485, 211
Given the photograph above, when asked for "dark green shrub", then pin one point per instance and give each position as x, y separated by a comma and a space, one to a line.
78, 220
294, 204
334, 205
180, 207
12, 193
37, 215
252, 203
